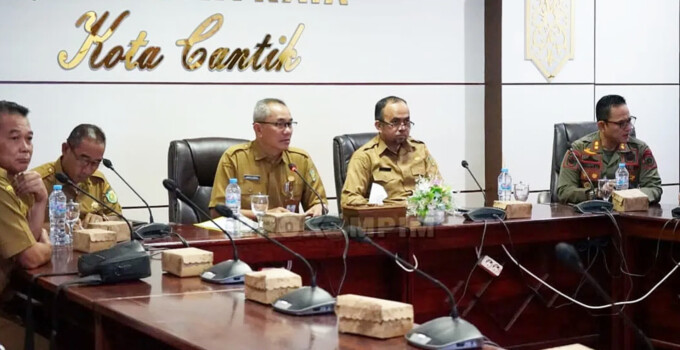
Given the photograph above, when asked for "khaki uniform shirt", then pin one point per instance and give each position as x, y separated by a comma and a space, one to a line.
15, 232
96, 185
397, 173
640, 163
247, 163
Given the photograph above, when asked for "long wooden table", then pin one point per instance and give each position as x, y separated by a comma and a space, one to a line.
512, 309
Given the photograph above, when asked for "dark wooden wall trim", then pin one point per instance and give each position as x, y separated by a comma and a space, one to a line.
493, 97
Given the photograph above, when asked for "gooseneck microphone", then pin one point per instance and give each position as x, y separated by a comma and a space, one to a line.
152, 229
447, 332
63, 178
464, 163
319, 223
566, 253
225, 272
310, 300
593, 205
485, 213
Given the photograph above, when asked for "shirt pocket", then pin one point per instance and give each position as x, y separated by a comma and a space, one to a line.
387, 179
418, 170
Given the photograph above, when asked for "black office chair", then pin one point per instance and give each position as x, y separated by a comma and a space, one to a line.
565, 134
343, 148
192, 164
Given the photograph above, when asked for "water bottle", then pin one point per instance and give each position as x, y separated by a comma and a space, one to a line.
504, 185
622, 177
233, 202
57, 205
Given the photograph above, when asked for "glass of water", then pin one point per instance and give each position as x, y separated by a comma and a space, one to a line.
259, 203
521, 191
72, 216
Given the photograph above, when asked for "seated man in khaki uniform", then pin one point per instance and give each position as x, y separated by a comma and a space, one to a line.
601, 152
392, 159
261, 166
81, 155
23, 199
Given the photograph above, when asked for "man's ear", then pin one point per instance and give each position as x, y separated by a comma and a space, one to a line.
64, 148
377, 125
600, 125
258, 129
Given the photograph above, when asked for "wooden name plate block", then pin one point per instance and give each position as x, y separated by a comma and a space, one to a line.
283, 222
93, 240
514, 209
373, 317
186, 262
267, 286
630, 200
374, 215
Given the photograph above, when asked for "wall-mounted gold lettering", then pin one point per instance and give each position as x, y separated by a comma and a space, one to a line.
148, 60
224, 58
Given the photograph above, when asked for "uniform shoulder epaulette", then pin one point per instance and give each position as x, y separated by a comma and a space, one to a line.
98, 175
369, 145
238, 148
417, 141
45, 170
298, 151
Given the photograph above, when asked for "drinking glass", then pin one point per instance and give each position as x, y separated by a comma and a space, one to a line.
521, 191
72, 216
259, 203
605, 187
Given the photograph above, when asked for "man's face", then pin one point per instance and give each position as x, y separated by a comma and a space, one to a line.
395, 127
618, 127
80, 162
16, 143
274, 133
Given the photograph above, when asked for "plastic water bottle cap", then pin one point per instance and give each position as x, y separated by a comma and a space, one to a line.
504, 170
57, 187
622, 165
233, 180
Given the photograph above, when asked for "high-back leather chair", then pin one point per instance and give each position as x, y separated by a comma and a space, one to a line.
343, 148
565, 135
192, 164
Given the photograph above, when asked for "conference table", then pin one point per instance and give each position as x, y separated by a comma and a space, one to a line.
627, 253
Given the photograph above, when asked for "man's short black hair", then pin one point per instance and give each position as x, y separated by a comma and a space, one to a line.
380, 106
605, 104
82, 131
9, 107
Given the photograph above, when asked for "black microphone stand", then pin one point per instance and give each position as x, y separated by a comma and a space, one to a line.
447, 332
304, 301
319, 223
152, 229
568, 256
63, 178
484, 213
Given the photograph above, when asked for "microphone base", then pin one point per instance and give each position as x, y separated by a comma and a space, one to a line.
485, 213
323, 222
226, 272
446, 333
306, 301
594, 206
152, 230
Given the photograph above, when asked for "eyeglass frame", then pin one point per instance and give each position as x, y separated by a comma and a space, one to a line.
84, 160
281, 125
405, 123
624, 123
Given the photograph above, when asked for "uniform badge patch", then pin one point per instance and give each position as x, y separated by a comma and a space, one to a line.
111, 196
570, 161
312, 174
648, 161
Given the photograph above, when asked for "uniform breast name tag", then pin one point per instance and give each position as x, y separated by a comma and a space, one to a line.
252, 177
385, 169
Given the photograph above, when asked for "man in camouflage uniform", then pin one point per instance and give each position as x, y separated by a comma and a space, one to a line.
81, 155
391, 159
602, 151
261, 166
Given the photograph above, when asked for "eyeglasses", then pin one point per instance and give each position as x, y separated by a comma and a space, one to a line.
624, 123
281, 125
397, 123
85, 161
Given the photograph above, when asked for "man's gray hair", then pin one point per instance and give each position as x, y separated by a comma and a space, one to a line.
262, 110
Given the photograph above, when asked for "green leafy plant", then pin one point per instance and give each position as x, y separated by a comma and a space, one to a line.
429, 195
